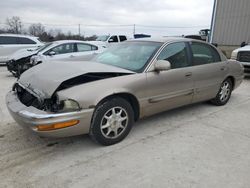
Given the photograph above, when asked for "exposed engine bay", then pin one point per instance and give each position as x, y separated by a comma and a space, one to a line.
30, 98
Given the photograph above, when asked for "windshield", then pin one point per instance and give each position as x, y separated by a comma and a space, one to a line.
132, 56
44, 46
102, 38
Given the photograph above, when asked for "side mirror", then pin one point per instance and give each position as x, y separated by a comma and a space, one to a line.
162, 65
51, 53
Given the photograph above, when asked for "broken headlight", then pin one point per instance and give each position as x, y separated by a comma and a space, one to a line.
70, 105
67, 105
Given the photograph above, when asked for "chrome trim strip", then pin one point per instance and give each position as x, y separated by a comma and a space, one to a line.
170, 95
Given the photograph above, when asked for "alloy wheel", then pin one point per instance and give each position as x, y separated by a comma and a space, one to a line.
114, 122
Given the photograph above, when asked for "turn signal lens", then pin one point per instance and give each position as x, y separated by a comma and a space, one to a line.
57, 125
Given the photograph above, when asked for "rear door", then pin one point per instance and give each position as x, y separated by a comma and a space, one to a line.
174, 87
84, 52
208, 71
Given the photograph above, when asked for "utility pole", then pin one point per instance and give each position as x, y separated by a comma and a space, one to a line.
79, 30
134, 29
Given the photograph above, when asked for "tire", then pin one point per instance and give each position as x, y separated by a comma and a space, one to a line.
224, 93
112, 121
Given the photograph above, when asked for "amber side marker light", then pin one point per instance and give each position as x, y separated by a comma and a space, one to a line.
56, 126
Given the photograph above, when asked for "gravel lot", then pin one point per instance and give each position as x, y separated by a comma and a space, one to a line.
196, 146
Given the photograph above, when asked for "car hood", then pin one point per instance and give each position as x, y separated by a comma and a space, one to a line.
23, 53
245, 48
45, 78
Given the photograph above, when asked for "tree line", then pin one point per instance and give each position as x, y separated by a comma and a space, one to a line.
15, 25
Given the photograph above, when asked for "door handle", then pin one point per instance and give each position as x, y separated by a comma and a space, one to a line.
188, 74
71, 56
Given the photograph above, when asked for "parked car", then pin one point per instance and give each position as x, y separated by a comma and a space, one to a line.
126, 82
109, 39
197, 37
72, 50
10, 43
243, 56
20, 60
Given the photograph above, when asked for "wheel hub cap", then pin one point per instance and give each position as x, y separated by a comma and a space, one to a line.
225, 91
114, 122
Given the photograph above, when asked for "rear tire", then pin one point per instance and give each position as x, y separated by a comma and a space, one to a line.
224, 93
112, 121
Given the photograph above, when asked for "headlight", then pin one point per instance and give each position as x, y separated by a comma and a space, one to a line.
34, 60
234, 55
68, 105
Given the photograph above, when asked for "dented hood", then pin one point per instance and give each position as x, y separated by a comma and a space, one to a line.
45, 78
23, 53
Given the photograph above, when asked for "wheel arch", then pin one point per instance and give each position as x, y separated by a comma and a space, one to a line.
128, 97
232, 80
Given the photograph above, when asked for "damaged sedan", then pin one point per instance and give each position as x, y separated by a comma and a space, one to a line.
62, 50
127, 82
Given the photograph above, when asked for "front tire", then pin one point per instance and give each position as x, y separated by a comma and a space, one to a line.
112, 121
224, 93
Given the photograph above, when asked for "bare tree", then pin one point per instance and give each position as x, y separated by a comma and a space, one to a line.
36, 29
14, 24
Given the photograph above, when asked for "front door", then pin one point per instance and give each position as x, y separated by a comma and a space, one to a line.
62, 52
174, 87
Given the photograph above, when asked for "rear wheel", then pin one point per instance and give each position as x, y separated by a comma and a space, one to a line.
224, 93
112, 121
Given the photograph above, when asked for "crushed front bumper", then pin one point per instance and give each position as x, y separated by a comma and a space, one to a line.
30, 117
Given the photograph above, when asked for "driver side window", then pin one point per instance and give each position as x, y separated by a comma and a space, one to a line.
176, 54
113, 39
62, 49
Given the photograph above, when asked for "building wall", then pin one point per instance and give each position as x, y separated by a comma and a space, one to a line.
231, 22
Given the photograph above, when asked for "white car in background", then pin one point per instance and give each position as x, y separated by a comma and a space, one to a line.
243, 56
10, 43
73, 50
109, 39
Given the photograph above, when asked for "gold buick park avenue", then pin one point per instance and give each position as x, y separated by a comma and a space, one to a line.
127, 82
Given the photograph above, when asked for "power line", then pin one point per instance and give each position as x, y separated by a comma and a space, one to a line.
173, 27
116, 25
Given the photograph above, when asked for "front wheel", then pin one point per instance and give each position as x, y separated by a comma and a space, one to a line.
112, 121
224, 93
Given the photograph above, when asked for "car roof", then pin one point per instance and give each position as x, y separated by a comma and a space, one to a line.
17, 35
165, 39
96, 43
70, 41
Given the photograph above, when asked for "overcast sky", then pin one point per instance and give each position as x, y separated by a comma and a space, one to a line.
67, 14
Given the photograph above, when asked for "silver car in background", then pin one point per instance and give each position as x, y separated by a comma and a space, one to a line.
11, 43
127, 82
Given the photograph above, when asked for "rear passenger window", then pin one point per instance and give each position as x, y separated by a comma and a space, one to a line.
122, 38
83, 47
25, 41
176, 54
204, 54
8, 40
